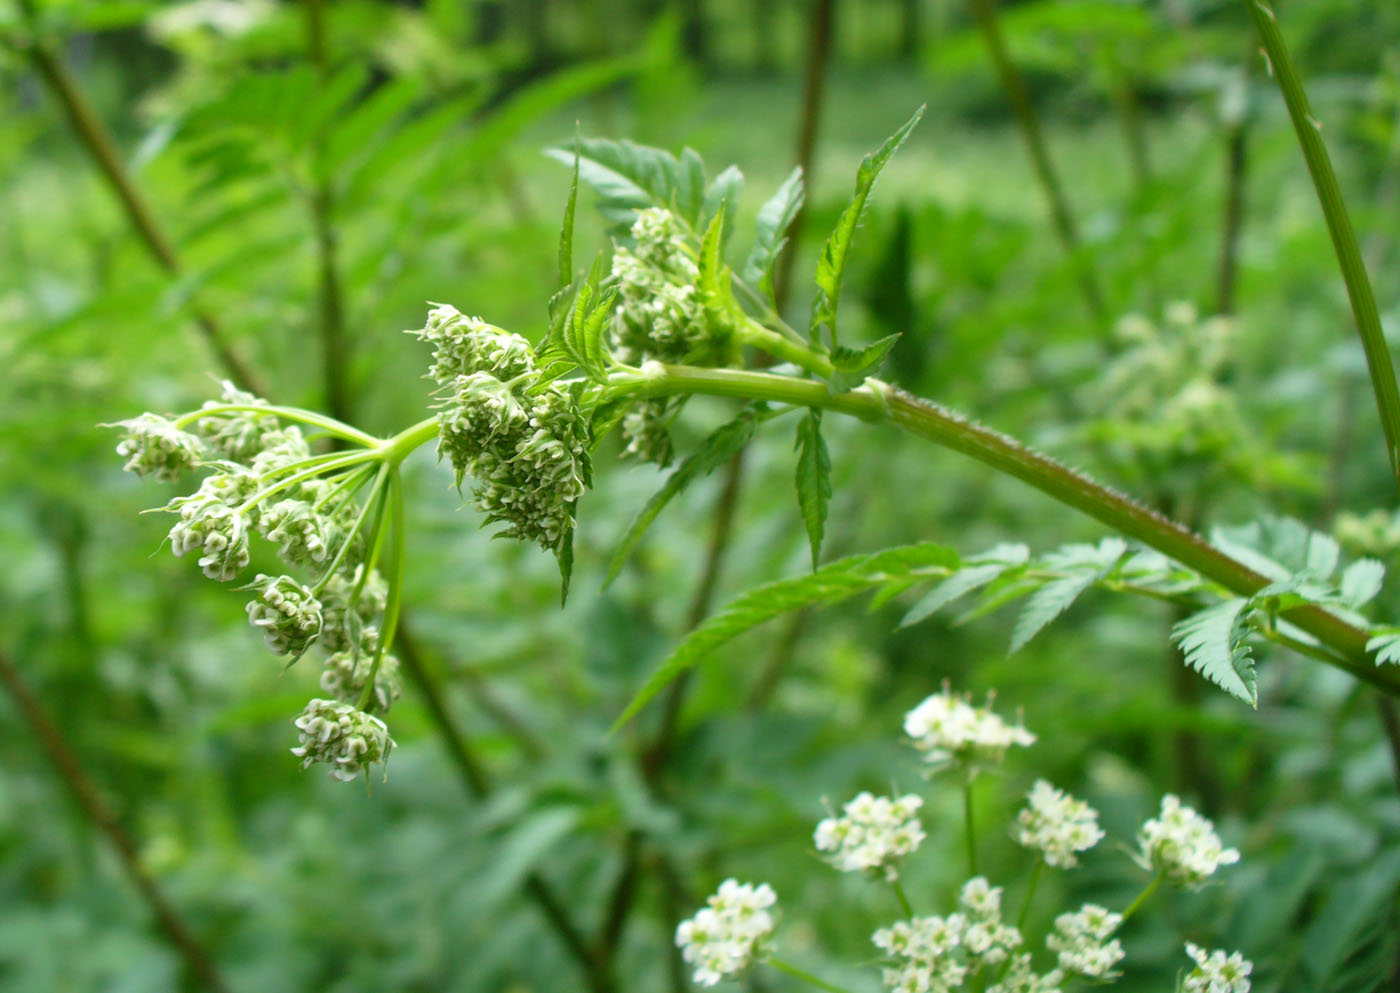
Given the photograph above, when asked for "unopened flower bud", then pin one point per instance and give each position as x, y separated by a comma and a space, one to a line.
287, 612
346, 739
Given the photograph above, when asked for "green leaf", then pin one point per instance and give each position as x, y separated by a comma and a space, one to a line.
1385, 642
628, 177
1362, 581
774, 218
564, 555
1354, 908
833, 582
566, 234
854, 365
813, 479
363, 128
975, 574
831, 267
1213, 643
717, 449
723, 195
712, 280
1085, 565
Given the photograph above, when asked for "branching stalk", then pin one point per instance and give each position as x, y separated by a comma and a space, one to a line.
1329, 193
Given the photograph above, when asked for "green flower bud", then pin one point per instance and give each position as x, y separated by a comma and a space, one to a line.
210, 526
288, 613
154, 446
346, 673
346, 739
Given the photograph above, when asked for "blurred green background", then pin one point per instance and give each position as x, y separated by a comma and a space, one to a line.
322, 183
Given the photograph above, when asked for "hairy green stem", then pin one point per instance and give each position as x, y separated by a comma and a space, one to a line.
784, 966
1026, 118
1329, 193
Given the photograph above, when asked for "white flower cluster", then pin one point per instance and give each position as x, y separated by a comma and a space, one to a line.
872, 835
1081, 940
724, 938
154, 446
254, 457
938, 954
1216, 972
522, 439
347, 739
659, 317
949, 730
1057, 825
1181, 845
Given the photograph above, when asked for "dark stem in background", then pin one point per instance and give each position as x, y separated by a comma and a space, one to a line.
103, 151
1024, 111
477, 784
335, 346
85, 792
1236, 168
1358, 284
658, 752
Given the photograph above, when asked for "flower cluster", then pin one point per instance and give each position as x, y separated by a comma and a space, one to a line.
1216, 972
874, 833
1057, 825
519, 436
263, 480
347, 739
1181, 845
938, 954
1081, 940
725, 937
660, 317
949, 730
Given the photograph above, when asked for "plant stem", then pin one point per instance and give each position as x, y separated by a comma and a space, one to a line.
802, 974
1358, 284
1142, 897
297, 414
93, 134
1029, 123
969, 834
105, 819
1030, 893
905, 907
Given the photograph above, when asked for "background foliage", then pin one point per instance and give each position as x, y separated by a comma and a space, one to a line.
317, 187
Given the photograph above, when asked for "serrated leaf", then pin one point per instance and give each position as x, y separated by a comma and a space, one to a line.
1212, 642
1046, 604
1385, 642
1322, 554
1362, 581
712, 271
690, 186
564, 555
626, 176
566, 233
854, 365
1353, 909
774, 218
831, 267
723, 194
717, 449
833, 582
974, 575
813, 479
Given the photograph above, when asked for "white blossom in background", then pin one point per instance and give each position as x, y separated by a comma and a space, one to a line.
873, 833
1057, 825
1216, 972
949, 730
938, 954
724, 938
1081, 940
1182, 845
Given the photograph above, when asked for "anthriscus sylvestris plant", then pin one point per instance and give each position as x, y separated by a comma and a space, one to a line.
975, 944
671, 312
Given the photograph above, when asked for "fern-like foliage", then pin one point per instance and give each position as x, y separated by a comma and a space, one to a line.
1215, 638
